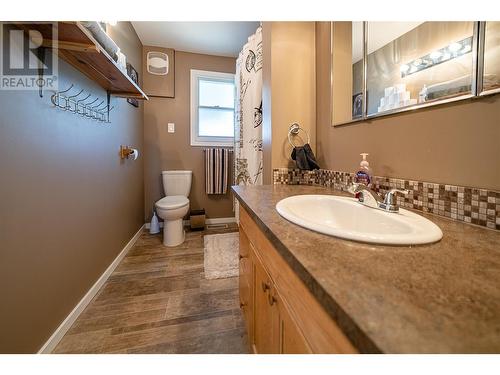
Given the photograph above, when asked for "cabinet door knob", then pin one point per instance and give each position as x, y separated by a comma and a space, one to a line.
242, 305
271, 299
243, 257
265, 286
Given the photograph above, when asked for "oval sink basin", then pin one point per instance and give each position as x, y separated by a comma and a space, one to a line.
345, 217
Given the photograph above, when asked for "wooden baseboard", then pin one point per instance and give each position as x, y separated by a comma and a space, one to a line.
73, 315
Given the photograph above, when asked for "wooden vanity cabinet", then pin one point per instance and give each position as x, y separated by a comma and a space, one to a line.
281, 314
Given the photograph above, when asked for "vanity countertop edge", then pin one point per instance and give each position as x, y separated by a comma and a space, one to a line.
436, 298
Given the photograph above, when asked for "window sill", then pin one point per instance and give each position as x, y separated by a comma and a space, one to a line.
212, 144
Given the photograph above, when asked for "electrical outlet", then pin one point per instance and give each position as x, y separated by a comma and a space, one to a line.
171, 127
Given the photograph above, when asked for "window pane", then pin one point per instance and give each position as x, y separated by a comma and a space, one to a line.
216, 93
215, 122
492, 56
417, 62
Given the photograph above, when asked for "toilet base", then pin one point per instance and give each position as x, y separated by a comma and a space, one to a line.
173, 233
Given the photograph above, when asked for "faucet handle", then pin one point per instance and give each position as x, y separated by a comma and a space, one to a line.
355, 188
390, 197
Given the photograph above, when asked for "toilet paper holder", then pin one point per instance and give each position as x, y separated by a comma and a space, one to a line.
126, 152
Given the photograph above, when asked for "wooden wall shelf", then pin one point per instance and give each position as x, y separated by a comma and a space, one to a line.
77, 47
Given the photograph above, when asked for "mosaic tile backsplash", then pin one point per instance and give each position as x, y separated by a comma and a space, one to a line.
470, 205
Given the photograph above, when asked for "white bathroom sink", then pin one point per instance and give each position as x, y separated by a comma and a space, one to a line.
345, 217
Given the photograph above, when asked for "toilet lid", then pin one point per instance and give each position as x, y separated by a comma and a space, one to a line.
172, 202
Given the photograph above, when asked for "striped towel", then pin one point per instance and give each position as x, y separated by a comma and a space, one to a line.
216, 170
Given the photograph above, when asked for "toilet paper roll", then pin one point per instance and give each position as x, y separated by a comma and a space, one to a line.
135, 154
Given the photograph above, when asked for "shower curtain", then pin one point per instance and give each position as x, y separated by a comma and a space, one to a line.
248, 127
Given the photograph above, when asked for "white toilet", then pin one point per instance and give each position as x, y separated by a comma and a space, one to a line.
173, 208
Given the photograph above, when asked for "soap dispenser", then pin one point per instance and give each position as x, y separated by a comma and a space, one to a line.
364, 175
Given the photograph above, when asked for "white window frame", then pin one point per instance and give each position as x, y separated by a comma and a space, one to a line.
197, 140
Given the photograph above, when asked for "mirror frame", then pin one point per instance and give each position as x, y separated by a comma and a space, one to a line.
478, 41
480, 66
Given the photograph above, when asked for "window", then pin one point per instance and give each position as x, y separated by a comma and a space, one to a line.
212, 108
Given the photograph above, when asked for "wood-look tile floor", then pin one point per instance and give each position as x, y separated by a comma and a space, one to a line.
158, 301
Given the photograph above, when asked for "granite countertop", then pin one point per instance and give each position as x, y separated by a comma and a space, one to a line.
437, 298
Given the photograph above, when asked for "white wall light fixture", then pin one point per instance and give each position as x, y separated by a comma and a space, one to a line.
439, 56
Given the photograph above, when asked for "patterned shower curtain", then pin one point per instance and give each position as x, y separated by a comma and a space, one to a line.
248, 128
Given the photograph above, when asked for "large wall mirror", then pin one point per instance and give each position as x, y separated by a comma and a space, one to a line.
381, 68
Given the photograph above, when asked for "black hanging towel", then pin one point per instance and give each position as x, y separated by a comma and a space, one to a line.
304, 157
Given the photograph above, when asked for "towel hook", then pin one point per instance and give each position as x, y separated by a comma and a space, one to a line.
82, 100
98, 105
55, 98
71, 103
83, 104
94, 113
294, 130
100, 109
62, 92
74, 96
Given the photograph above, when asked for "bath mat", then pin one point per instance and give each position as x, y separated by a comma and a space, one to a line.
221, 255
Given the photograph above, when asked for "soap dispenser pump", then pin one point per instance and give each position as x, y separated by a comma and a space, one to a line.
364, 175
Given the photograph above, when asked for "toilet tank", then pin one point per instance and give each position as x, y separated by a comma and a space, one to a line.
177, 182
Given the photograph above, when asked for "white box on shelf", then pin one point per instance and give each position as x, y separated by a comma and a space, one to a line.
400, 87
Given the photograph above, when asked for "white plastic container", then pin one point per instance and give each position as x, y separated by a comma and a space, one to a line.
154, 227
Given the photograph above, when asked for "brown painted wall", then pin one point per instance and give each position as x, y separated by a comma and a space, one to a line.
455, 143
164, 151
289, 89
68, 204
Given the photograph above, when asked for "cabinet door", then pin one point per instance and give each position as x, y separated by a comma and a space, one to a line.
246, 284
266, 317
291, 339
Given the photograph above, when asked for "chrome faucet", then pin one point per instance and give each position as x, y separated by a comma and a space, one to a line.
370, 197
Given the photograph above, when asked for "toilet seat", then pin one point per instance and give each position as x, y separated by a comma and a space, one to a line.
172, 202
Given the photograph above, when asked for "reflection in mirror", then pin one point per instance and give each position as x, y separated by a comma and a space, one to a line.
491, 80
411, 63
347, 71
